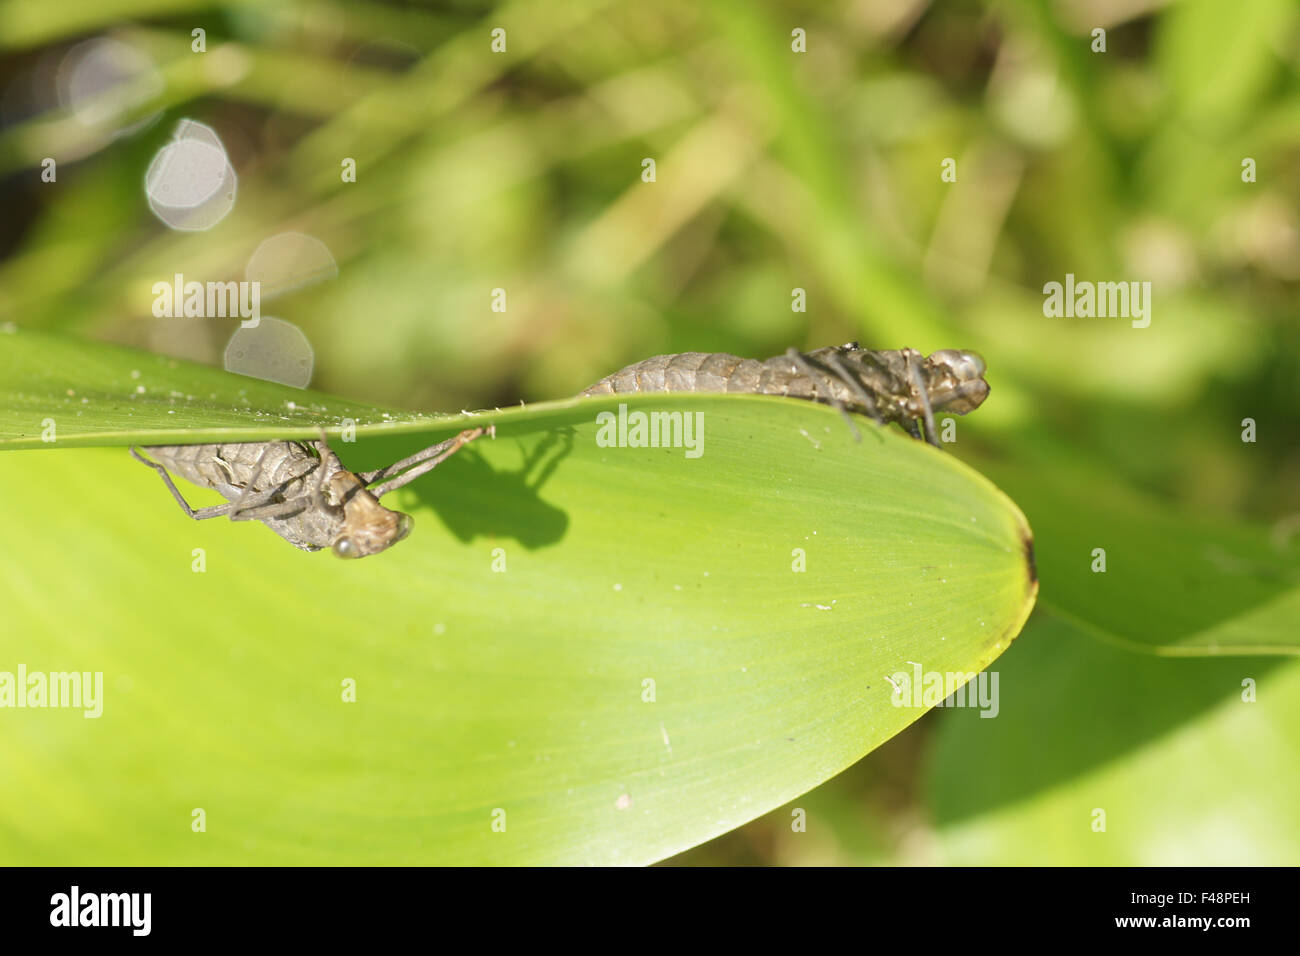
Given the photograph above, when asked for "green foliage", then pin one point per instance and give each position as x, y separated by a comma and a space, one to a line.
612, 645
76, 394
1189, 763
776, 170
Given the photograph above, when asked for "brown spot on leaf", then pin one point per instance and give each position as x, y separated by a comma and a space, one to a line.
1028, 542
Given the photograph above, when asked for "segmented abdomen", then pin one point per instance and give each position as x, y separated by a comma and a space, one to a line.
228, 468
721, 372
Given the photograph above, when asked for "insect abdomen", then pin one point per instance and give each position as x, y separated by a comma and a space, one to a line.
231, 465
722, 372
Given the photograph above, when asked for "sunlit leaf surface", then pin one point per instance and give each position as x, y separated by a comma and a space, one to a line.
611, 649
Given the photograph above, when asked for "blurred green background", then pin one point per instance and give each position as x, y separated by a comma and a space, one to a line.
775, 170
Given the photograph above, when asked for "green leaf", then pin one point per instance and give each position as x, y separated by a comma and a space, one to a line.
522, 689
1174, 584
1188, 765
98, 394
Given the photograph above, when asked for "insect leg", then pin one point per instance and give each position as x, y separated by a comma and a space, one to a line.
803, 365
315, 482
423, 454
272, 509
241, 503
198, 514
421, 462
852, 382
895, 382
923, 397
260, 505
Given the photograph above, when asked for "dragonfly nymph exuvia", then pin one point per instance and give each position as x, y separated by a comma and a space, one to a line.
300, 490
899, 385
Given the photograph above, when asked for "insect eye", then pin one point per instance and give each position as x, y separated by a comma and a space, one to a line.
345, 548
404, 525
965, 366
974, 363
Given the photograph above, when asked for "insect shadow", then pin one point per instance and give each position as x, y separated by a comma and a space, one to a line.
474, 499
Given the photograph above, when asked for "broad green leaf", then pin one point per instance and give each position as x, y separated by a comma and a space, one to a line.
1190, 764
98, 394
611, 645
1173, 584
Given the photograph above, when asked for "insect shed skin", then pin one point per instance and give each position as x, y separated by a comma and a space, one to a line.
889, 386
230, 466
301, 490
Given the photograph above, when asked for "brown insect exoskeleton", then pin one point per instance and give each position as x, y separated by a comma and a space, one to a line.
887, 385
300, 490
